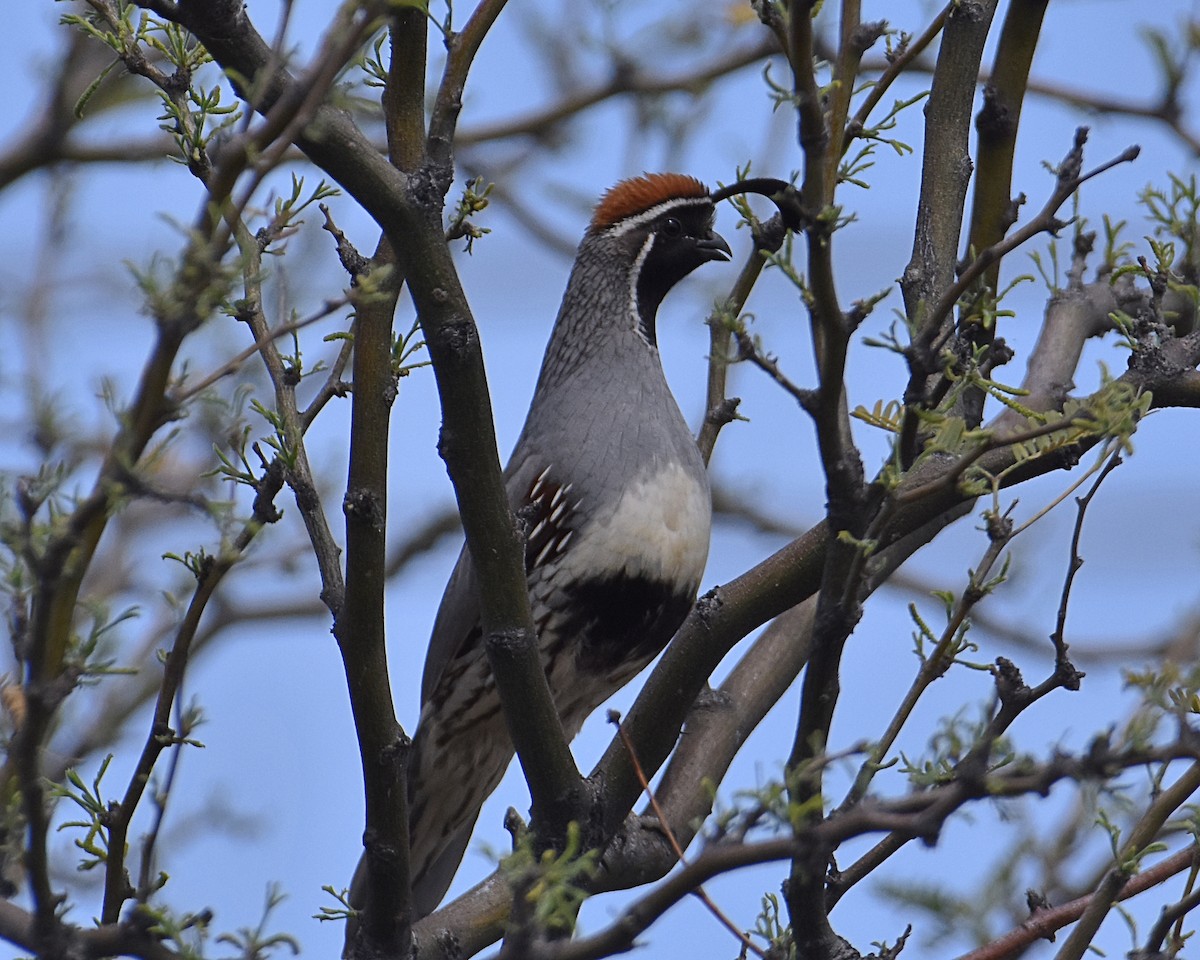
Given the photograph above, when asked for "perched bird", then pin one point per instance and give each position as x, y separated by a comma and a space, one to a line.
609, 480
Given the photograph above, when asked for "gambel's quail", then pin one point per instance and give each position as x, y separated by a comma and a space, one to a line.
609, 480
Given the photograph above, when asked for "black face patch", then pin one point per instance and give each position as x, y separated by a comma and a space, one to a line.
622, 619
682, 240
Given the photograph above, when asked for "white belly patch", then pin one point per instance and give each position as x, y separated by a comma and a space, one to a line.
659, 529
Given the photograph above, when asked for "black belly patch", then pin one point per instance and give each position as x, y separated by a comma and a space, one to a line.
620, 619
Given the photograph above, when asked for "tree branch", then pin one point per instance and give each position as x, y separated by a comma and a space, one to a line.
896, 64
1045, 922
945, 172
1139, 838
359, 625
461, 50
540, 122
997, 124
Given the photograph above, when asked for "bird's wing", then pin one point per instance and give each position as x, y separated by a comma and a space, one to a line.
430, 888
457, 623
541, 504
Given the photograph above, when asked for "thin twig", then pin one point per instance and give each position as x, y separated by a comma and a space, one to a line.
895, 66
720, 410
1045, 221
234, 363
934, 664
461, 50
160, 735
614, 717
1171, 914
1044, 923
144, 889
747, 350
1058, 638
1079, 482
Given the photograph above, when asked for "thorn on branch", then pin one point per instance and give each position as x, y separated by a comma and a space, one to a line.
515, 826
353, 262
1036, 901
724, 412
1012, 212
999, 353
1010, 685
1072, 165
1065, 674
995, 118
866, 35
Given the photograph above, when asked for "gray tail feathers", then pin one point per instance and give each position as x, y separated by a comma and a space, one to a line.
357, 898
428, 887
451, 772
431, 885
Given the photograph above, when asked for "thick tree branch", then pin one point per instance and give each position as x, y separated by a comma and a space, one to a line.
945, 173
997, 125
409, 207
461, 50
359, 625
946, 164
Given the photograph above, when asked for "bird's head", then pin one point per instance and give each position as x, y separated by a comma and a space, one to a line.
661, 226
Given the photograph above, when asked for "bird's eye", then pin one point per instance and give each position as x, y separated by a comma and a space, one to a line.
672, 228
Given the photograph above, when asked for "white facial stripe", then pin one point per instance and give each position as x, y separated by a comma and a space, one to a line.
634, 314
624, 226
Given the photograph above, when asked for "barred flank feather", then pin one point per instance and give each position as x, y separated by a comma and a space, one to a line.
614, 495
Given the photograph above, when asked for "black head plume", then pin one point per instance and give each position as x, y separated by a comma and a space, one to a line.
779, 192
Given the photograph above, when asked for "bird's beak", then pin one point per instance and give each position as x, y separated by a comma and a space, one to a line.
714, 247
